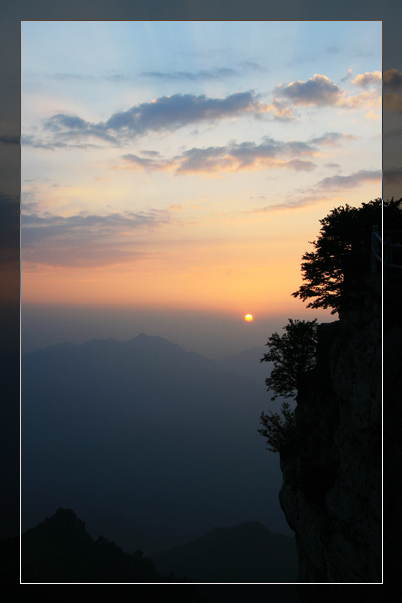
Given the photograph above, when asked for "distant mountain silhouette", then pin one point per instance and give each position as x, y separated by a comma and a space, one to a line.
162, 441
61, 550
248, 553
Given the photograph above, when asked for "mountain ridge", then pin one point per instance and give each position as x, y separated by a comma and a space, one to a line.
246, 553
144, 426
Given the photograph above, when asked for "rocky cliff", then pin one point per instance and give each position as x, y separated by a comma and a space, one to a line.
331, 495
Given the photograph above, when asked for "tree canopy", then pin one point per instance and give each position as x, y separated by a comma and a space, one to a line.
342, 253
292, 354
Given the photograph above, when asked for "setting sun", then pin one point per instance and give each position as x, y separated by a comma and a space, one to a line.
248, 317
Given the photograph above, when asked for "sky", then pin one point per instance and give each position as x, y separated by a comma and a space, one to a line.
173, 173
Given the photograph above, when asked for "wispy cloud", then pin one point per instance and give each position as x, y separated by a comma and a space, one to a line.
368, 79
324, 190
269, 154
85, 240
366, 99
294, 202
203, 74
346, 182
347, 76
38, 142
333, 139
81, 77
232, 157
71, 76
216, 73
145, 163
247, 156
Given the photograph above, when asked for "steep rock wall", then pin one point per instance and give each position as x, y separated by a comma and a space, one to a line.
331, 495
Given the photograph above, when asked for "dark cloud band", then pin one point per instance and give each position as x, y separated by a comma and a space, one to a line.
167, 113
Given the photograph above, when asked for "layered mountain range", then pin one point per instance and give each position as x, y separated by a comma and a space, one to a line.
151, 445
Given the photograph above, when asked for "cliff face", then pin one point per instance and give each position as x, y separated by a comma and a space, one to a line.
331, 495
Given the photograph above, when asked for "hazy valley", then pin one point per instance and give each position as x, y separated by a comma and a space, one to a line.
150, 445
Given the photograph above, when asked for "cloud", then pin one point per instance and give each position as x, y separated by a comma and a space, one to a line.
204, 74
367, 79
66, 77
211, 74
280, 109
300, 166
172, 112
351, 181
282, 113
364, 99
145, 163
164, 114
347, 76
251, 65
291, 203
72, 127
319, 192
77, 256
85, 240
212, 159
150, 153
41, 143
71, 76
269, 154
232, 157
333, 139
372, 115
320, 91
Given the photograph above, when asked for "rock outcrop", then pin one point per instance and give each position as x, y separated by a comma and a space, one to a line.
331, 495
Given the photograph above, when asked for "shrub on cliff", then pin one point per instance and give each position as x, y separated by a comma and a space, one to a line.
292, 355
279, 431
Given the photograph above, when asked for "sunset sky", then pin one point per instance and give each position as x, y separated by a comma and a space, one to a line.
184, 166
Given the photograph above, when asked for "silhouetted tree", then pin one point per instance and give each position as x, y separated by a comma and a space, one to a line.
342, 255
